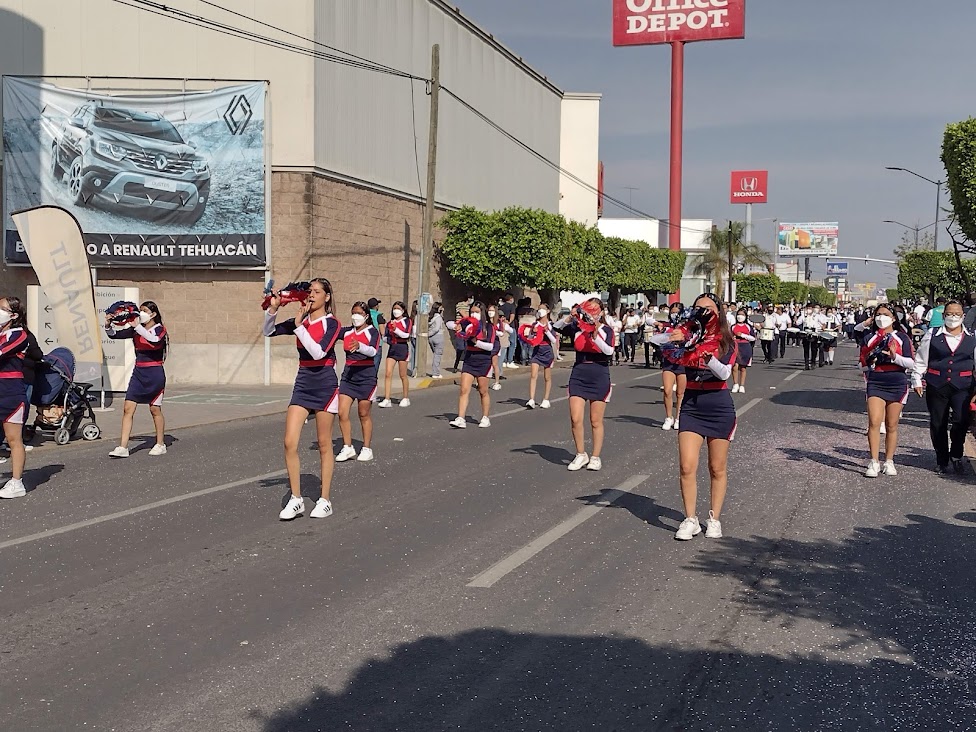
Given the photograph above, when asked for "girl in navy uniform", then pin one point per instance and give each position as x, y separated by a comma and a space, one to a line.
589, 381
707, 415
886, 353
316, 390
13, 390
501, 326
745, 340
478, 335
148, 377
360, 342
398, 336
673, 379
544, 344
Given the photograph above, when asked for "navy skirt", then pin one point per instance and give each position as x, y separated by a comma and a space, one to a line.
146, 385
675, 368
708, 413
13, 401
744, 353
591, 381
359, 382
316, 389
543, 356
477, 363
399, 352
496, 349
892, 386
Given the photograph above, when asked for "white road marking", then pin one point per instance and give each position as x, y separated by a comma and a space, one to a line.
747, 407
793, 375
513, 561
138, 509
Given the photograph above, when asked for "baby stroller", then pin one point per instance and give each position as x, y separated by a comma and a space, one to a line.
61, 403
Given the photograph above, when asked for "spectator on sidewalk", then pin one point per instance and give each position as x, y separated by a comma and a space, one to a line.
936, 315
508, 315
436, 331
377, 318
524, 314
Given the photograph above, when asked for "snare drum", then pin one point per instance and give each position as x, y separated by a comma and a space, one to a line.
766, 334
648, 335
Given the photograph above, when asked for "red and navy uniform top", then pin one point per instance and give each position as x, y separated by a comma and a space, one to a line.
324, 332
743, 329
150, 344
368, 336
586, 350
13, 343
403, 325
900, 343
952, 367
537, 334
471, 331
700, 377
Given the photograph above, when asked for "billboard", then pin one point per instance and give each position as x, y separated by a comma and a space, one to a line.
808, 240
839, 269
645, 22
749, 186
157, 179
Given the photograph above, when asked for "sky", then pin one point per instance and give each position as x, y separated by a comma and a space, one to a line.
823, 94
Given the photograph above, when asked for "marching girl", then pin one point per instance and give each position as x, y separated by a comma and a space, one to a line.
13, 390
886, 354
398, 336
832, 326
360, 342
673, 376
544, 345
589, 382
479, 338
707, 416
501, 326
316, 390
148, 377
745, 339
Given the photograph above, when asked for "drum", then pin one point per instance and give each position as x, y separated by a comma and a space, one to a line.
827, 335
792, 330
766, 334
648, 334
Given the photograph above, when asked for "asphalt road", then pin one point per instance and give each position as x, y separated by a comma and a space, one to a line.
163, 593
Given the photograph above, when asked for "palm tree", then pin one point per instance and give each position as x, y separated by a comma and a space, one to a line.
714, 263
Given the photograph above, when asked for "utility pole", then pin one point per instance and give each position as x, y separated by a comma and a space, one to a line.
729, 244
427, 244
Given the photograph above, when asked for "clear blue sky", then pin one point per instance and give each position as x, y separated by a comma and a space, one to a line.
823, 93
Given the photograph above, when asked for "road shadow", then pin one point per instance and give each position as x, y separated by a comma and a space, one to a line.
34, 478
641, 507
831, 400
633, 419
831, 461
311, 486
832, 425
549, 453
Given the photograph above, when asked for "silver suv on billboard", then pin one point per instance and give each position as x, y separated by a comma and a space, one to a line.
132, 160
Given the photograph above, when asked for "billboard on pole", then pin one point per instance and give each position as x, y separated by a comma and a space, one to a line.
647, 22
815, 239
749, 186
839, 269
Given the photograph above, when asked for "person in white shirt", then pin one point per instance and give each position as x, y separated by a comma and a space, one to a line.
616, 324
631, 323
831, 331
812, 322
782, 330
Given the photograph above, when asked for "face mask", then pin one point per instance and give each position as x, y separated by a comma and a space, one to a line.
809, 312
144, 317
953, 321
741, 318
475, 316
884, 321
5, 317
542, 312
358, 319
491, 313
770, 312
816, 312
398, 313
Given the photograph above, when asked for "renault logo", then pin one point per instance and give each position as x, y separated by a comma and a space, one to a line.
161, 162
749, 184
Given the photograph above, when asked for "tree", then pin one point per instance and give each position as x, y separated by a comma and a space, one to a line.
470, 250
757, 287
793, 292
892, 294
821, 296
923, 274
959, 157
714, 263
925, 242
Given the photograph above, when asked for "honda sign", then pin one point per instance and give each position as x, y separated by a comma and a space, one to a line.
645, 22
749, 186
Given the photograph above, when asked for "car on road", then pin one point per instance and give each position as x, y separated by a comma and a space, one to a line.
131, 160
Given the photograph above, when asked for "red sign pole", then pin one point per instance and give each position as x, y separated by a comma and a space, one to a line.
677, 128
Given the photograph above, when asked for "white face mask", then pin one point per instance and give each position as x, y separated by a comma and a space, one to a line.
398, 313
543, 312
358, 319
953, 321
144, 317
809, 312
5, 317
741, 318
475, 316
884, 321
491, 313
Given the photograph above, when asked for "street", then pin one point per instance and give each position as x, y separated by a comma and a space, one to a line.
467, 581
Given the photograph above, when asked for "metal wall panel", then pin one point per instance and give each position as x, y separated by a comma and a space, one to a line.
367, 129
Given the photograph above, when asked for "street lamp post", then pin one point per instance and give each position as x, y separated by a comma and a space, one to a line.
915, 228
938, 197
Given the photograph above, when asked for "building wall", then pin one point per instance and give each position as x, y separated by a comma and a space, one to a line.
579, 155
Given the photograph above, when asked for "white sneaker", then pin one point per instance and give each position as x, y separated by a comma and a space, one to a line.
514, 366
437, 376
28, 448
874, 468
594, 464
458, 422
485, 422
158, 449
348, 452
496, 387
668, 423
404, 402
119, 452
884, 428
530, 404
735, 388
13, 488
579, 461
889, 468
674, 387
323, 509
365, 455
384, 404
293, 509
545, 404
713, 527
676, 423
742, 390
689, 529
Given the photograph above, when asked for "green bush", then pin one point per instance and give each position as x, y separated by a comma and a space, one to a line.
793, 291
763, 288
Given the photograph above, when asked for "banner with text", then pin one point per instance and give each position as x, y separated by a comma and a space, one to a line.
647, 22
808, 240
164, 179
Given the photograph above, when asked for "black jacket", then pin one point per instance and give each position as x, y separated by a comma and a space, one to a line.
32, 356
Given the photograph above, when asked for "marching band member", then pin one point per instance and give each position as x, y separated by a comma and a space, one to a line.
398, 331
745, 339
593, 340
783, 324
479, 338
943, 373
886, 353
148, 379
811, 323
316, 390
360, 342
673, 378
832, 326
708, 414
13, 390
768, 335
501, 326
544, 345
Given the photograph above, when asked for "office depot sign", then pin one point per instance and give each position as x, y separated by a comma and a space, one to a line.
749, 186
644, 22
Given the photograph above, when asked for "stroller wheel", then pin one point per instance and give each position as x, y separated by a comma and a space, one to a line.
91, 431
62, 436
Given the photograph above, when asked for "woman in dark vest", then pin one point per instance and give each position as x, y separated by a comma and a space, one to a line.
943, 372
